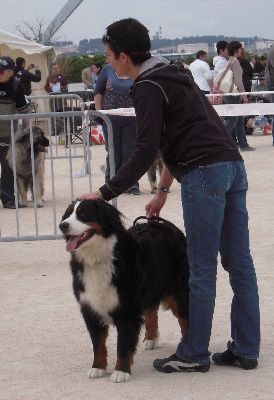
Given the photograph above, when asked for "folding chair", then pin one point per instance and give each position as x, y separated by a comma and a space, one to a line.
75, 129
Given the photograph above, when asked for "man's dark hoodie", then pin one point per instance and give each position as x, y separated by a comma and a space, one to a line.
172, 114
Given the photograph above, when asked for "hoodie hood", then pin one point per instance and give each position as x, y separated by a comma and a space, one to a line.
161, 72
152, 61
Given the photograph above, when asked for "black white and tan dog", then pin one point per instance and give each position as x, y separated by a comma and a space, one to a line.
121, 276
23, 163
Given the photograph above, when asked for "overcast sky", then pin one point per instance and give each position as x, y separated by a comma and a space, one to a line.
178, 18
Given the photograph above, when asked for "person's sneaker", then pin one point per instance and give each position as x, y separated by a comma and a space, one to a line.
10, 205
134, 191
248, 148
228, 358
175, 364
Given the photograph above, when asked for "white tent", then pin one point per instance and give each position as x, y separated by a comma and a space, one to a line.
34, 53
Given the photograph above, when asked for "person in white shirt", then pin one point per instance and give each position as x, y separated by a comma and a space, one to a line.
220, 60
201, 72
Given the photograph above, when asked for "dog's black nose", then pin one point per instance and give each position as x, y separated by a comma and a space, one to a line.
64, 227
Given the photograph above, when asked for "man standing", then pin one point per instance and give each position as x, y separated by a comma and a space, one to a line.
259, 85
220, 61
12, 100
56, 82
173, 115
26, 77
201, 72
89, 76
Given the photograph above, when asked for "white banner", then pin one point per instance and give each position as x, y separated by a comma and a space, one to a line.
245, 109
222, 110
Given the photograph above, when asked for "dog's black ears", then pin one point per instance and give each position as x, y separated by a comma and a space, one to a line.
68, 211
110, 218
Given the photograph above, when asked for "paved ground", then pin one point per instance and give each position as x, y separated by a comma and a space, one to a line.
45, 350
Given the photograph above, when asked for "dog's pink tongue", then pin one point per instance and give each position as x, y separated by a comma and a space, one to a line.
71, 243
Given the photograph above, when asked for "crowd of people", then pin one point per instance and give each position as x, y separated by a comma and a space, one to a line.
112, 91
248, 76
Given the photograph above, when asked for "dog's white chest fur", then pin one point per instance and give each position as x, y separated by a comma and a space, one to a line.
99, 293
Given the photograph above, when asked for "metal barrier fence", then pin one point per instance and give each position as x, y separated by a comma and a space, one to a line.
76, 147
75, 150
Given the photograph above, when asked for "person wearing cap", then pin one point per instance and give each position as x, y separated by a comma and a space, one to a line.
12, 101
174, 115
25, 76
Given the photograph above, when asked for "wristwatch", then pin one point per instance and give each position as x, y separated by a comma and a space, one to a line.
163, 189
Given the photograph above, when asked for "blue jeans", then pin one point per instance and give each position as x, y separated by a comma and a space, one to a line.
235, 124
216, 219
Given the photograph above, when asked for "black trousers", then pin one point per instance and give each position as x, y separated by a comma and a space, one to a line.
7, 179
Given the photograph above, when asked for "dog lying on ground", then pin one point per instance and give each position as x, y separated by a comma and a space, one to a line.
121, 275
24, 178
152, 172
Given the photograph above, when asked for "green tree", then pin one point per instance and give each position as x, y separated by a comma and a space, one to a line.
73, 66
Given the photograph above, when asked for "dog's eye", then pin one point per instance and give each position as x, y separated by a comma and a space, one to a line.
81, 212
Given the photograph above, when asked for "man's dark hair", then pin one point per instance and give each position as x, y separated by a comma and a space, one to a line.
128, 36
200, 53
233, 47
19, 61
221, 45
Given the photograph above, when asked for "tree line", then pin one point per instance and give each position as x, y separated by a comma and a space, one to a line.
95, 46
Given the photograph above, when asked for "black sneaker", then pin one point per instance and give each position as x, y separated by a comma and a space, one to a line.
175, 364
248, 148
134, 192
230, 359
10, 205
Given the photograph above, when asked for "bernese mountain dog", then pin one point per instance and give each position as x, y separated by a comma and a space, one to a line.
121, 276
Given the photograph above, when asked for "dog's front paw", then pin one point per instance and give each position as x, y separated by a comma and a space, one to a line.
120, 376
96, 373
150, 344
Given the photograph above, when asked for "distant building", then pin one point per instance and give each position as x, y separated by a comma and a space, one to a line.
158, 34
264, 45
66, 49
192, 48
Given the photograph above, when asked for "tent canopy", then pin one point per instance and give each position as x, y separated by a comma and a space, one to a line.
34, 53
14, 42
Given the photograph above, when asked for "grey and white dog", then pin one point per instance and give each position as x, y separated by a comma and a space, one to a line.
23, 163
